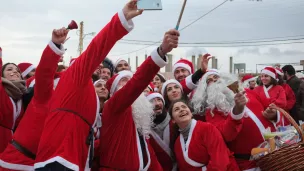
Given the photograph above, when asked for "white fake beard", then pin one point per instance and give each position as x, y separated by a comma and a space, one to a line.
143, 115
219, 96
199, 98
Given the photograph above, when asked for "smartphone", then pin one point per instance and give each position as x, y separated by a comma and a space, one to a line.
149, 4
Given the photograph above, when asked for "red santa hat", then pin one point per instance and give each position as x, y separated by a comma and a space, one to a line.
153, 95
113, 81
174, 81
183, 63
72, 61
248, 78
117, 62
151, 87
100, 80
279, 71
26, 68
270, 71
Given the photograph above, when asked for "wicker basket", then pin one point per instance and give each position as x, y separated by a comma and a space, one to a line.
290, 158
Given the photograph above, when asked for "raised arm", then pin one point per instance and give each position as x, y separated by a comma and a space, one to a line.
145, 73
0, 66
45, 72
120, 25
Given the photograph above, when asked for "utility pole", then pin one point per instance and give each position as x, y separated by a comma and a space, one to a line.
80, 46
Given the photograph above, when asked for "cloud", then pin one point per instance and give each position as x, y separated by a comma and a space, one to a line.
254, 51
276, 52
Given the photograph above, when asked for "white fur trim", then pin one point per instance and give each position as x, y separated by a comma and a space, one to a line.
154, 95
120, 75
55, 49
72, 62
279, 72
13, 166
267, 72
169, 82
128, 25
189, 83
60, 160
253, 169
32, 83
266, 91
185, 146
251, 79
237, 117
116, 63
100, 80
182, 65
139, 150
16, 110
159, 61
28, 70
256, 120
278, 120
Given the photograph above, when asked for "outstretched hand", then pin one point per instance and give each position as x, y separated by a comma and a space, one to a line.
59, 35
271, 112
170, 41
130, 10
240, 103
204, 62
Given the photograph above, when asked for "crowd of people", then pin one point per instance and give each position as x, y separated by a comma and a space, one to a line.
98, 115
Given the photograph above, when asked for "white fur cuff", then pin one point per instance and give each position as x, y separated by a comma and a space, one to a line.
128, 25
237, 117
55, 49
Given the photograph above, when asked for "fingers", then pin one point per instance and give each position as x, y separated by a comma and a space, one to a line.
173, 32
61, 32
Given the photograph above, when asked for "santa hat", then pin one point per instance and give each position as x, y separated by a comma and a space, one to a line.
279, 71
270, 71
117, 62
113, 82
26, 68
153, 95
72, 61
151, 87
248, 78
161, 77
174, 81
100, 80
183, 63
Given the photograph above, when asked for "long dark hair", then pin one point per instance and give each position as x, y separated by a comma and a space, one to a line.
272, 82
175, 128
5, 65
167, 101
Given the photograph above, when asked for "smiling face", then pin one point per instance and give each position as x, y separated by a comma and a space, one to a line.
157, 82
266, 79
174, 92
101, 90
12, 73
122, 65
212, 78
105, 74
181, 114
181, 73
158, 105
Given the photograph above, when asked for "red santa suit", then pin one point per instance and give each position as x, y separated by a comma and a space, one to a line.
204, 149
27, 136
119, 141
67, 135
10, 114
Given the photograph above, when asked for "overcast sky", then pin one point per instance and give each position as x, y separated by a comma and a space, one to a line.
26, 26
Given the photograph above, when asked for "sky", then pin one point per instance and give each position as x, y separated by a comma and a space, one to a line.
26, 27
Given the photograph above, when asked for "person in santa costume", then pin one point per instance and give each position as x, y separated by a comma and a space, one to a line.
149, 89
20, 154
249, 82
107, 69
27, 70
269, 91
158, 81
127, 116
161, 133
12, 89
67, 138
238, 134
121, 65
199, 145
290, 96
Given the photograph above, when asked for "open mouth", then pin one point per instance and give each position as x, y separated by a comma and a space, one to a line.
183, 114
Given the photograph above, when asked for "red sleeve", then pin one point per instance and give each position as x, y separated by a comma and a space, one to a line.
280, 100
137, 84
228, 127
85, 65
290, 97
217, 149
188, 85
45, 72
0, 72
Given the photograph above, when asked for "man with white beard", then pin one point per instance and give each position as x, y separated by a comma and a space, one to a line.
128, 116
220, 103
161, 132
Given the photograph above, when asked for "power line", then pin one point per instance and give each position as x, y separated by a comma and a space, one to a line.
220, 42
179, 30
